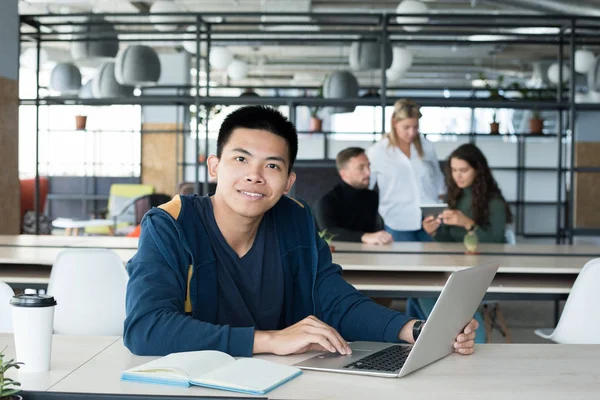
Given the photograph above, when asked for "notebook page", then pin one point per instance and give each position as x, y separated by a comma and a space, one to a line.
248, 375
178, 367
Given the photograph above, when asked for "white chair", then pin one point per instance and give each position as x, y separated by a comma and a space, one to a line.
580, 319
89, 287
6, 293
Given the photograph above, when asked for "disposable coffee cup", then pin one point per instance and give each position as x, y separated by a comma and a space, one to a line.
33, 320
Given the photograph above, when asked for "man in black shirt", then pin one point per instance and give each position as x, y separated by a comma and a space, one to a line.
349, 210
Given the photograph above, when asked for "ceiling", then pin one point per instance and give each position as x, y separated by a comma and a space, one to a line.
450, 64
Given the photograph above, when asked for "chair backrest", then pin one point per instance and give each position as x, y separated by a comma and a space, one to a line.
89, 287
186, 188
123, 193
6, 293
145, 203
580, 319
28, 194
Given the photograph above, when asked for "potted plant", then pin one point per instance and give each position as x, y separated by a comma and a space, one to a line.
316, 123
536, 123
495, 125
8, 387
494, 95
80, 122
327, 237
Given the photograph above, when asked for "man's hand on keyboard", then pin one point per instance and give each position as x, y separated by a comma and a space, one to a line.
465, 341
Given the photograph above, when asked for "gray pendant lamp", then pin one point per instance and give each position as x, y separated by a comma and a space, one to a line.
104, 84
367, 55
86, 90
137, 65
103, 41
65, 78
340, 85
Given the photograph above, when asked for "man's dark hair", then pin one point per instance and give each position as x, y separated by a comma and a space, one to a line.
261, 118
345, 155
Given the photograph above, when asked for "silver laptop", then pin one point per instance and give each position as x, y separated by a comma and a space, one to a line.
453, 310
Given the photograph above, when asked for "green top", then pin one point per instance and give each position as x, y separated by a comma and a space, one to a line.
492, 233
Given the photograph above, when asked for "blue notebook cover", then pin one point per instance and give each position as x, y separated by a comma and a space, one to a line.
215, 370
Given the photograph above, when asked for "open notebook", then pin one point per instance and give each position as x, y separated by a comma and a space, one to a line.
213, 369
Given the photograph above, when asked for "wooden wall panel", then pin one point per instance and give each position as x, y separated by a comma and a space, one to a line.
587, 186
9, 157
159, 157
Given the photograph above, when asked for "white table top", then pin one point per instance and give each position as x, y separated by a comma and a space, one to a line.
495, 371
68, 353
111, 242
358, 261
116, 242
74, 223
459, 248
450, 263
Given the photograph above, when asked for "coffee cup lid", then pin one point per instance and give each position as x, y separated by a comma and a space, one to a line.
33, 300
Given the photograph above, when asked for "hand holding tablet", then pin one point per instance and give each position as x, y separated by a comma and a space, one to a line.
433, 210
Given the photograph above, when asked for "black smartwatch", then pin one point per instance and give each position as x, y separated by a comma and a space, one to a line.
417, 327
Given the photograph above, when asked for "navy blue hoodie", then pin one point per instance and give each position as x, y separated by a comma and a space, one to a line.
172, 291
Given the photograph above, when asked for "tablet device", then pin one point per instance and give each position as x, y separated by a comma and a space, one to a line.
433, 209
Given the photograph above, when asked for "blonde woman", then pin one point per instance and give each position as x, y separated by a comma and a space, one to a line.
405, 167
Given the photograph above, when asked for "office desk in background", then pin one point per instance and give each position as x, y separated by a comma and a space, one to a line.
501, 250
384, 275
495, 371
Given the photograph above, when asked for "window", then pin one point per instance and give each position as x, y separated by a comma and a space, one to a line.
110, 145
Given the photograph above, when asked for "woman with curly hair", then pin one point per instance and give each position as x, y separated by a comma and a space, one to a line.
474, 199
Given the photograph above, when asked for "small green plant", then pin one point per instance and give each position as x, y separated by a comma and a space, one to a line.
7, 385
326, 236
494, 92
213, 112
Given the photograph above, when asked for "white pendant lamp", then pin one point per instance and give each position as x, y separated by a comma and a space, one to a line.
163, 6
553, 73
237, 70
220, 57
190, 43
584, 61
412, 7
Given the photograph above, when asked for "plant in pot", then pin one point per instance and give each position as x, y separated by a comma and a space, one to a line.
8, 388
327, 237
536, 122
495, 125
316, 122
494, 95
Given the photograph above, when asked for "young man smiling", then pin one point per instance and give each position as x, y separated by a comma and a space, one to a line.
244, 271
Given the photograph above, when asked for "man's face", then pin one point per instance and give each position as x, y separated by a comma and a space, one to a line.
356, 172
252, 173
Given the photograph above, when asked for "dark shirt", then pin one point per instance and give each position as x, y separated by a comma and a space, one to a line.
348, 213
493, 232
250, 289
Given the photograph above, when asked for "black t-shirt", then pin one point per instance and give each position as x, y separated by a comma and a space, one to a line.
251, 287
347, 212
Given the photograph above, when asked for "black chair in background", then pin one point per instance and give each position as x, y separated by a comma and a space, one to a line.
186, 188
143, 204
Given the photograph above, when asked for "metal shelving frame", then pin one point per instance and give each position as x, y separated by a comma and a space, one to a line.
339, 29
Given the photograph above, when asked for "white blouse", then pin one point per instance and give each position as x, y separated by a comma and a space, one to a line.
405, 183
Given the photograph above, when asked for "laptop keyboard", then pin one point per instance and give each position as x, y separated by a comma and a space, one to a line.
389, 359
